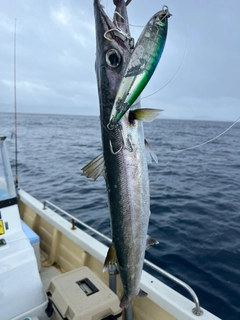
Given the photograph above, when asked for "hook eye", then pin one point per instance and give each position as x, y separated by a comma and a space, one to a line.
113, 58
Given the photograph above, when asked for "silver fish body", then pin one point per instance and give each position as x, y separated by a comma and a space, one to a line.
128, 193
123, 163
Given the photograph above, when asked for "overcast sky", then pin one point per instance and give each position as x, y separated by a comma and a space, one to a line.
56, 56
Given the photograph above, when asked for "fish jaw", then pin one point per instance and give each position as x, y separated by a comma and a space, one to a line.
112, 54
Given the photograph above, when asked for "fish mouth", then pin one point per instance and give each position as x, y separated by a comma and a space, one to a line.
114, 47
116, 29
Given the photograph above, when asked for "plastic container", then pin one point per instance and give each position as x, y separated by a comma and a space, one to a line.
81, 295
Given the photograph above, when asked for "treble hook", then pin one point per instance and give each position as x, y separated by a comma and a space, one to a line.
122, 145
127, 36
130, 146
118, 29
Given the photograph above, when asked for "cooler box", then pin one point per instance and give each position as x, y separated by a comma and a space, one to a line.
81, 295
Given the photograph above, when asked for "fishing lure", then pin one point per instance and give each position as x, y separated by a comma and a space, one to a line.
142, 64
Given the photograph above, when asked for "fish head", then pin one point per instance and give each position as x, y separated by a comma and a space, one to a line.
114, 47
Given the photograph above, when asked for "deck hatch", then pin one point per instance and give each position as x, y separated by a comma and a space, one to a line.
87, 286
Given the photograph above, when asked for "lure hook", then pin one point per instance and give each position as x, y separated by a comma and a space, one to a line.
119, 30
130, 147
122, 144
111, 149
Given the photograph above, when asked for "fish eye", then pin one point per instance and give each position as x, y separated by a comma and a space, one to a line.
113, 58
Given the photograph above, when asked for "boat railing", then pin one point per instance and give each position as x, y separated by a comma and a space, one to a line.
196, 311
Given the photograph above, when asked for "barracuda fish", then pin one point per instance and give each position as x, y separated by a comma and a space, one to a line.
123, 162
142, 64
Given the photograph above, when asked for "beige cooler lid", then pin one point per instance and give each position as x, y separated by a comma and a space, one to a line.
78, 299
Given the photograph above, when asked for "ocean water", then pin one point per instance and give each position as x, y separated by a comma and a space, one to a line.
195, 194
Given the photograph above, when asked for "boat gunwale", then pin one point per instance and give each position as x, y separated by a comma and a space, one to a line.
162, 295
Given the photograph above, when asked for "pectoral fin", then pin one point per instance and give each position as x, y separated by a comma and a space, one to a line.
150, 242
110, 258
151, 154
144, 114
94, 168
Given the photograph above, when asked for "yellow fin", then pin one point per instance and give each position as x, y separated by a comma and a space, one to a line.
145, 114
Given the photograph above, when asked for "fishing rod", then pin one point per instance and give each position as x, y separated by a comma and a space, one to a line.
15, 111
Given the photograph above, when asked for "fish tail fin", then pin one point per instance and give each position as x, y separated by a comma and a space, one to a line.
125, 301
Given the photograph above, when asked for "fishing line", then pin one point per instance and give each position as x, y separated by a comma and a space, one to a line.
183, 58
202, 144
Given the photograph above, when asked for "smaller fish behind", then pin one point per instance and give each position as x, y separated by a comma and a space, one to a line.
142, 64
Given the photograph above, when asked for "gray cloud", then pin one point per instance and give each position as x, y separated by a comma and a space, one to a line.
56, 55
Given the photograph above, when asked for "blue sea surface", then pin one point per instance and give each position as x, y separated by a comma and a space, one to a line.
195, 194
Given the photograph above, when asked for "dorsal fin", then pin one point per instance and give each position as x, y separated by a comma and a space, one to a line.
150, 242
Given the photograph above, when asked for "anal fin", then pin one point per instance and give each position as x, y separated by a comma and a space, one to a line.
142, 293
110, 258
